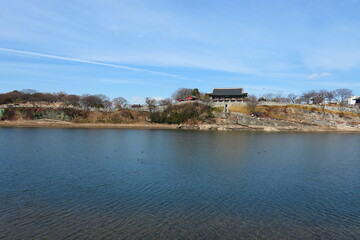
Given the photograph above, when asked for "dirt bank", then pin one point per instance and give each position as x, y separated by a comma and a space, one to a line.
65, 124
204, 127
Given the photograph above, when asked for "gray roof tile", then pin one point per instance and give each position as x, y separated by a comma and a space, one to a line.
227, 91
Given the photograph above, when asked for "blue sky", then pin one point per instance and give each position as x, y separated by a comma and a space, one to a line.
140, 48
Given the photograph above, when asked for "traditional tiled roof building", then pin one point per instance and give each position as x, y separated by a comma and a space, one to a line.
228, 95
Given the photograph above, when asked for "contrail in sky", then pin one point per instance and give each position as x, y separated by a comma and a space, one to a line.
87, 61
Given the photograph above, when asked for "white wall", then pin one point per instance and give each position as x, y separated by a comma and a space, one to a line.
351, 100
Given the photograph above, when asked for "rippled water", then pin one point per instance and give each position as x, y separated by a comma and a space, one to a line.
158, 184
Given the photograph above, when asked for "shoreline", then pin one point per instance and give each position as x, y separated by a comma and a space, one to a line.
205, 127
63, 124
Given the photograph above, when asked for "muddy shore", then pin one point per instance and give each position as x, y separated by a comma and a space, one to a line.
64, 124
223, 127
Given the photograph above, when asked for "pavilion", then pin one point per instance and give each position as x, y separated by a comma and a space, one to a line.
227, 95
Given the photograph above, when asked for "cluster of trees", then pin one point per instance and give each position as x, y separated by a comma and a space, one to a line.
29, 95
86, 100
176, 114
182, 93
338, 96
94, 101
71, 114
102, 101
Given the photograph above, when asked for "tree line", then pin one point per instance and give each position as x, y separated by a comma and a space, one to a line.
338, 96
93, 100
85, 100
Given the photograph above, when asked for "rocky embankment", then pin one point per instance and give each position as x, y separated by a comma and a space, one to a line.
301, 121
196, 117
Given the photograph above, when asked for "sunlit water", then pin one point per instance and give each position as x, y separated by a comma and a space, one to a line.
158, 184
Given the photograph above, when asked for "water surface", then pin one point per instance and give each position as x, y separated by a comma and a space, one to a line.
167, 184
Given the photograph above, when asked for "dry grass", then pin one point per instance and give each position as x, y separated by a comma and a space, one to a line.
343, 114
283, 112
320, 110
218, 109
239, 109
306, 108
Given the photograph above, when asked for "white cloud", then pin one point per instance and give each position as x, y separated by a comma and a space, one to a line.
319, 75
158, 98
86, 61
141, 100
137, 100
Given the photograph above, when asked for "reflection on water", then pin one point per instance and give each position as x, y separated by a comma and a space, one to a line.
158, 184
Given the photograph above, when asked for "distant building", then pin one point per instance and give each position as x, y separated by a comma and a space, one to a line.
353, 100
190, 98
357, 101
228, 95
136, 106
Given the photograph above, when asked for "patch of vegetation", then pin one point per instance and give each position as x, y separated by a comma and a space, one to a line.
9, 114
177, 114
239, 109
74, 115
217, 109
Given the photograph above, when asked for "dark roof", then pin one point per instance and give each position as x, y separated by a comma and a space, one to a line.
227, 92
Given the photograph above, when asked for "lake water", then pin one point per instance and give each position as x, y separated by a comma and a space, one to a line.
167, 184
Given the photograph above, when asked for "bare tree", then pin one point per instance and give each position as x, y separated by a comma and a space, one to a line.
292, 97
307, 97
88, 101
71, 100
165, 102
27, 94
182, 93
318, 96
252, 103
268, 96
278, 97
60, 95
329, 96
28, 91
49, 97
103, 97
151, 103
107, 104
105, 101
120, 103
342, 94
13, 97
94, 101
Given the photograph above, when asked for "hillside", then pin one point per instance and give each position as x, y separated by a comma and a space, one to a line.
288, 117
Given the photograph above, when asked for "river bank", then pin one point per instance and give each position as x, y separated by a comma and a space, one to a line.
65, 124
200, 127
191, 116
